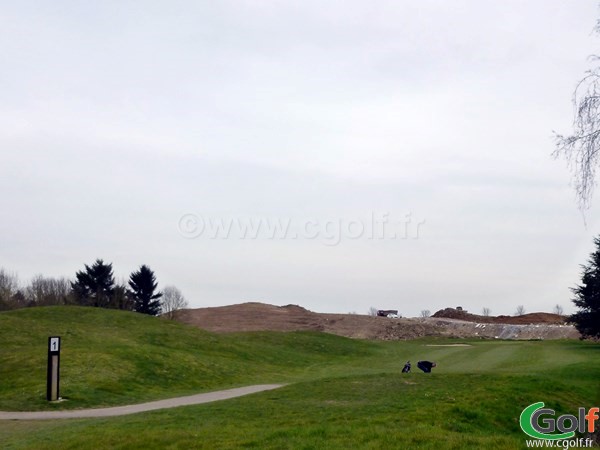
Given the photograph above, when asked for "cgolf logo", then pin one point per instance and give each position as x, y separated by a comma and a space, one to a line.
566, 424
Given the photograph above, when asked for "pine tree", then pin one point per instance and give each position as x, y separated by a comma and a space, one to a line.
95, 285
142, 290
587, 297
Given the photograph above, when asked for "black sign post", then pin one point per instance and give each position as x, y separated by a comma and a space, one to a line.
52, 388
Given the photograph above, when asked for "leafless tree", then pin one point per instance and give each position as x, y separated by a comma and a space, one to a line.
486, 312
520, 310
10, 296
425, 313
373, 311
43, 291
171, 301
558, 309
581, 149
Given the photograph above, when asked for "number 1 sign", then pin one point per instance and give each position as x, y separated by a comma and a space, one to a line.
52, 385
54, 344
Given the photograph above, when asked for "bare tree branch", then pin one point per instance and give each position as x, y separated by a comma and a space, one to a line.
520, 310
581, 149
172, 300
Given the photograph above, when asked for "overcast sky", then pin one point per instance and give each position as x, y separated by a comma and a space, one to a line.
130, 130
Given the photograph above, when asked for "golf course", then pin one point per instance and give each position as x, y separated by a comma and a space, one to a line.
336, 393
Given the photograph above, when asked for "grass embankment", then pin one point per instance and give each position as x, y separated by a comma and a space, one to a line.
113, 357
344, 393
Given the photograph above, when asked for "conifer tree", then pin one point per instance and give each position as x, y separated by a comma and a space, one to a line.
94, 286
142, 290
587, 297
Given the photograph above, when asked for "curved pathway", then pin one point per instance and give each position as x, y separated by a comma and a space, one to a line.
132, 409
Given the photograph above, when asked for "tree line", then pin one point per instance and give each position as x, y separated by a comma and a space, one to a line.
93, 286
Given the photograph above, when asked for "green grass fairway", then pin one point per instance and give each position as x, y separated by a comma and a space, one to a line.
342, 393
111, 357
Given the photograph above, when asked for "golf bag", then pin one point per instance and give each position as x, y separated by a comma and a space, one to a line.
425, 366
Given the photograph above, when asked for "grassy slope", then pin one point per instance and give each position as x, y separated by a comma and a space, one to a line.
346, 394
113, 357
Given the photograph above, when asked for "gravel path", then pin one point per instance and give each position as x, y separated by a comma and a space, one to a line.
132, 409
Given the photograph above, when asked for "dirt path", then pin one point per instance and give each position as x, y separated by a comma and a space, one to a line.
448, 345
132, 409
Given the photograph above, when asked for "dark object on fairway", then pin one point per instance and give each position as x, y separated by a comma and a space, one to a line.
406, 367
426, 366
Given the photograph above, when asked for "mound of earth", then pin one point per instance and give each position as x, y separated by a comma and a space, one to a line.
525, 319
251, 317
264, 317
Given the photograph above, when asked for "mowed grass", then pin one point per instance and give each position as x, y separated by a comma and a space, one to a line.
342, 393
111, 357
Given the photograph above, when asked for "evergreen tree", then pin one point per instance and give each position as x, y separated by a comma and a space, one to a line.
121, 298
95, 285
142, 290
587, 297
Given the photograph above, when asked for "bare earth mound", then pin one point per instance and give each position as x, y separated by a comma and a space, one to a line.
263, 317
525, 319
